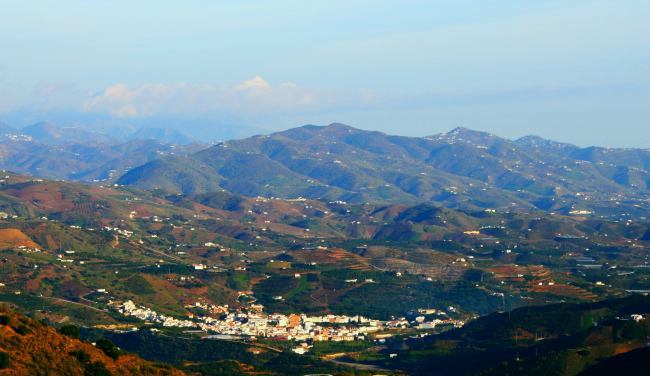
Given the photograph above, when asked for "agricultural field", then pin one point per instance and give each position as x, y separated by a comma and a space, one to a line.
71, 252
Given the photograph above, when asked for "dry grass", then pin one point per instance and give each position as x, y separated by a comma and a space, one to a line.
13, 238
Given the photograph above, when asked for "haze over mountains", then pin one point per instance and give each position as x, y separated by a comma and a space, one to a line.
185, 235
83, 153
238, 188
461, 168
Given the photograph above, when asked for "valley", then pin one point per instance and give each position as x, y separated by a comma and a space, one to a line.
298, 272
334, 188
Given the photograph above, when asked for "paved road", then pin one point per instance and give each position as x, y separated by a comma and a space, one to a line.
359, 366
76, 303
160, 253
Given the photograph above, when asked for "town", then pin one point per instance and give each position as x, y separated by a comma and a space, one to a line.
253, 322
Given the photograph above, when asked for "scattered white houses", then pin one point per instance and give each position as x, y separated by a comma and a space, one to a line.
636, 317
301, 349
580, 212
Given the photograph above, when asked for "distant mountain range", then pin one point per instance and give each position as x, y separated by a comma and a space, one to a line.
462, 168
81, 153
50, 133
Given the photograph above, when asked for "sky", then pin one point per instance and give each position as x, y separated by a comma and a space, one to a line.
574, 71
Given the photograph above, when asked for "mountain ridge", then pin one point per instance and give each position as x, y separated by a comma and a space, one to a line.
460, 168
47, 150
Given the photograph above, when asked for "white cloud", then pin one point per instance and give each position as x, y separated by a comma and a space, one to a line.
253, 96
256, 83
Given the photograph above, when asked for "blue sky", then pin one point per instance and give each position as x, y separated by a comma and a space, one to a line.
573, 71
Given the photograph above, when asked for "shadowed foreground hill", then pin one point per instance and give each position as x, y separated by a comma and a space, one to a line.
631, 363
28, 347
558, 339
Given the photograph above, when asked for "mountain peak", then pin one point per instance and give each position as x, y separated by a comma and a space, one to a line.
42, 130
462, 131
42, 125
466, 134
537, 141
330, 127
163, 134
339, 126
331, 131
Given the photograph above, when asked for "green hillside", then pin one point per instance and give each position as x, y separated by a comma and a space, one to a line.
462, 169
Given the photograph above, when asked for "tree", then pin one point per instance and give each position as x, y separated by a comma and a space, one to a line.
71, 331
108, 348
96, 369
5, 361
90, 368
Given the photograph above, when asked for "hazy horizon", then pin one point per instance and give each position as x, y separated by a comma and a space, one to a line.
573, 73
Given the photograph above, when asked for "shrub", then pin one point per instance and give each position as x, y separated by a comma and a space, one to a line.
71, 331
22, 329
4, 360
90, 369
139, 285
96, 369
108, 348
81, 356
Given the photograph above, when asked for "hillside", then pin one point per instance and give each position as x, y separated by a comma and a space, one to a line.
28, 347
65, 240
14, 238
631, 363
70, 252
560, 339
462, 168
